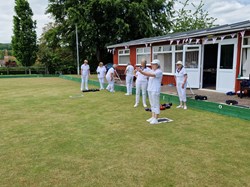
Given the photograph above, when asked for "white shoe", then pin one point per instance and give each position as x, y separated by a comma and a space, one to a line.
154, 121
126, 94
136, 105
144, 105
185, 108
150, 119
180, 106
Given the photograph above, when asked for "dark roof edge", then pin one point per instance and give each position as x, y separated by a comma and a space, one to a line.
185, 35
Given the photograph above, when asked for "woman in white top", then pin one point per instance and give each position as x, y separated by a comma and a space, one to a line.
154, 89
141, 84
101, 72
129, 72
110, 78
85, 72
181, 84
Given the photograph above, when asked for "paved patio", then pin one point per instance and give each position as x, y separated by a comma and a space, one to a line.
212, 95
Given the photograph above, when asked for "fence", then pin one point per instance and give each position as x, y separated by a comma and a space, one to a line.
22, 70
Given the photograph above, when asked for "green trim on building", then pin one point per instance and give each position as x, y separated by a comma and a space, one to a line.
224, 109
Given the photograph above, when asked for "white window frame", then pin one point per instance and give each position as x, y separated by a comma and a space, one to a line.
241, 56
196, 49
144, 52
122, 52
163, 51
175, 50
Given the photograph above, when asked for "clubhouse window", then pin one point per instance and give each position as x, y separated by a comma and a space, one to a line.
165, 55
245, 59
141, 53
123, 56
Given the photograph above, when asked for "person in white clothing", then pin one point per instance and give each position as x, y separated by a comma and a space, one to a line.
141, 84
101, 72
129, 72
110, 78
85, 72
154, 89
181, 84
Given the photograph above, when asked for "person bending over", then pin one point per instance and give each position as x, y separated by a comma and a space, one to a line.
110, 76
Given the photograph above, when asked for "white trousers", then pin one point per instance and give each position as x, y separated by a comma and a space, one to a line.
129, 83
111, 85
181, 91
154, 100
101, 81
84, 83
141, 86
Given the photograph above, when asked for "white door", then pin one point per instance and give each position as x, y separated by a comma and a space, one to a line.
192, 61
226, 65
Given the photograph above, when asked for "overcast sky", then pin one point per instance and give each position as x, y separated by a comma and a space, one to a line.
226, 12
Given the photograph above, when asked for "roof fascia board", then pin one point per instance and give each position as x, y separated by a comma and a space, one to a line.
168, 38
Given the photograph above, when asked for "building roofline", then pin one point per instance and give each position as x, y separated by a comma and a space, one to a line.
222, 29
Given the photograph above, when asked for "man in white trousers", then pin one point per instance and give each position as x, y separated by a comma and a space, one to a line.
85, 72
129, 72
110, 76
154, 89
141, 84
181, 84
101, 72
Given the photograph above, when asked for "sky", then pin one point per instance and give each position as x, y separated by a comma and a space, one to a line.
226, 12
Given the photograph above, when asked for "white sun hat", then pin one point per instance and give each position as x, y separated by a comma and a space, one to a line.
179, 63
156, 61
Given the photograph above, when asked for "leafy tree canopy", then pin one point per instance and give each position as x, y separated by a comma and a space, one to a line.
53, 53
191, 19
102, 22
6, 46
24, 38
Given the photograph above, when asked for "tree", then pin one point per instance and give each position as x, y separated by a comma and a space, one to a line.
24, 38
54, 53
191, 19
103, 22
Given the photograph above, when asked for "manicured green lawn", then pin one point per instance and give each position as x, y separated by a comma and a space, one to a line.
50, 139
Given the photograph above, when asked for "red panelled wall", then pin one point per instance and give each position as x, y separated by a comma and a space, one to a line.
237, 82
167, 79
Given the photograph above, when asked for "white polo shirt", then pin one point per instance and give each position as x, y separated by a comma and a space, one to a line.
85, 70
101, 71
180, 75
154, 83
110, 71
129, 70
141, 77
